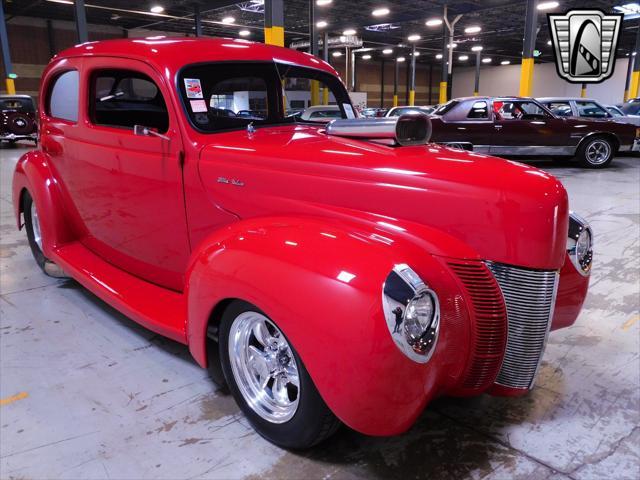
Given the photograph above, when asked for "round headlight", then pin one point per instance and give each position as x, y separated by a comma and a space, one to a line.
418, 318
412, 313
580, 243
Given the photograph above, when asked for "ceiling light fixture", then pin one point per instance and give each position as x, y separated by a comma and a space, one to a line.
439, 56
549, 43
380, 12
433, 22
244, 33
417, 54
337, 54
463, 58
366, 57
349, 31
156, 9
228, 20
322, 3
414, 38
321, 24
486, 60
476, 48
505, 62
400, 59
473, 29
453, 46
387, 51
548, 5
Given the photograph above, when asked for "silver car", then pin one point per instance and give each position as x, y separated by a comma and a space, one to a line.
584, 108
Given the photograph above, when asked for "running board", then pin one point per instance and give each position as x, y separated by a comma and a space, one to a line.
156, 308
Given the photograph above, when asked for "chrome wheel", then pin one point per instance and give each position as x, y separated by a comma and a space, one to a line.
598, 152
264, 367
35, 224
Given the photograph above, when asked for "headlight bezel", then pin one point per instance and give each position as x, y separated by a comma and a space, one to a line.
579, 228
402, 287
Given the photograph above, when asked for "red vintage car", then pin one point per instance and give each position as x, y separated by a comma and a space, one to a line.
348, 273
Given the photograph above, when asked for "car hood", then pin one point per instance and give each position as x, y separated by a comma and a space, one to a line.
504, 210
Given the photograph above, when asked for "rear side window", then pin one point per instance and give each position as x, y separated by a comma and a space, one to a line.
63, 97
590, 109
124, 98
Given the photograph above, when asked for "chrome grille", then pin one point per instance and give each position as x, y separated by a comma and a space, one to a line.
530, 298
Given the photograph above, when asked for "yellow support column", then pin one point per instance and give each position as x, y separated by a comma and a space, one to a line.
443, 93
395, 100
583, 91
526, 77
274, 22
412, 98
325, 96
11, 86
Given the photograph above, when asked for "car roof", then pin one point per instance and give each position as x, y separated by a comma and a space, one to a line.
566, 99
502, 99
176, 52
316, 108
5, 96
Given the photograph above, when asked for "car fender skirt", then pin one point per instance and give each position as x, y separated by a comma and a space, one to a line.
321, 282
32, 173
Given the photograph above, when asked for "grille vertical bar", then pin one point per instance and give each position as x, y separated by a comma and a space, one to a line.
530, 298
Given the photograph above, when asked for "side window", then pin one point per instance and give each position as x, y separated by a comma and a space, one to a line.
479, 110
519, 111
590, 109
124, 98
63, 97
560, 109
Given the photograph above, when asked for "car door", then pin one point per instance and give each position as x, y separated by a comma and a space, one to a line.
127, 188
523, 127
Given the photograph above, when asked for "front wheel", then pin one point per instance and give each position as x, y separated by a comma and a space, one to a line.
34, 236
269, 381
596, 152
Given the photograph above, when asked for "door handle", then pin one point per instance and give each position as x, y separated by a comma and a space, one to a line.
497, 127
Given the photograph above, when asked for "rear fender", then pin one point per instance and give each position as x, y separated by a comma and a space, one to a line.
321, 282
32, 174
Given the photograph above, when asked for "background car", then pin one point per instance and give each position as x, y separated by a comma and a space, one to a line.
373, 112
18, 119
321, 113
397, 111
584, 108
631, 107
517, 126
617, 112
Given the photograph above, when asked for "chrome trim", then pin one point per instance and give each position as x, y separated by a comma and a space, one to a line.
400, 287
530, 298
408, 129
533, 150
577, 225
458, 145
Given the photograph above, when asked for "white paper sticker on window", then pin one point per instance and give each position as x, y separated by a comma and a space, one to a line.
193, 88
198, 106
349, 110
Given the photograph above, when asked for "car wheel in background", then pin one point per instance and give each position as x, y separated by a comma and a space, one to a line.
269, 381
596, 152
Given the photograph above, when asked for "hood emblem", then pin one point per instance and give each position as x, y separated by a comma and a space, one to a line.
232, 181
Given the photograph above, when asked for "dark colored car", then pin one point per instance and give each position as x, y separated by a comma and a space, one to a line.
516, 126
18, 118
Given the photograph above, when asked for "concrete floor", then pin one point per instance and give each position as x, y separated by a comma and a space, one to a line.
86, 393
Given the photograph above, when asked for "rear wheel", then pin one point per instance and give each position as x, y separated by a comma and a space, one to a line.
269, 381
596, 152
34, 235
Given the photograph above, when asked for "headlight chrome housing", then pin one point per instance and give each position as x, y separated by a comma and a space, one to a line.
580, 243
412, 312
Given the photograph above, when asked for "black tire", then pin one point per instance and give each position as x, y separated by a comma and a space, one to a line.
589, 159
312, 422
38, 255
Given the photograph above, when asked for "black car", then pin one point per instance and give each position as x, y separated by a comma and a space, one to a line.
18, 119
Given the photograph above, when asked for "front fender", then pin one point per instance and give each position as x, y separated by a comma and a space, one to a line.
321, 282
33, 174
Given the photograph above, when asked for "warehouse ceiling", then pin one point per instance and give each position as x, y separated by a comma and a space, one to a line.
501, 21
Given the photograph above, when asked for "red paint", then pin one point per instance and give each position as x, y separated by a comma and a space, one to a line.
145, 224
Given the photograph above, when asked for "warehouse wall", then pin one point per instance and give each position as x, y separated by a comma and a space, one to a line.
505, 80
31, 56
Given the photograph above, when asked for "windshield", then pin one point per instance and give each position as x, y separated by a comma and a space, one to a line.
224, 96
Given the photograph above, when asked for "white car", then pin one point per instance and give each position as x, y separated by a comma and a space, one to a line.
397, 111
321, 113
619, 114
